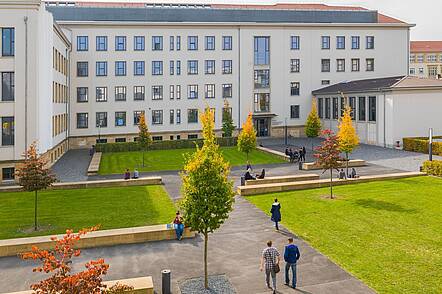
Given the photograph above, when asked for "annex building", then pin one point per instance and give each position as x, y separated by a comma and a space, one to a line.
426, 59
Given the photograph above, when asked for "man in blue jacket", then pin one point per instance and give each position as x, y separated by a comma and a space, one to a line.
291, 256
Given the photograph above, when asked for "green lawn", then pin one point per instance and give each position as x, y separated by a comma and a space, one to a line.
62, 209
388, 234
157, 160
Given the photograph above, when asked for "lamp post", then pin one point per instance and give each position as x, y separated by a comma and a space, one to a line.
100, 121
430, 145
285, 132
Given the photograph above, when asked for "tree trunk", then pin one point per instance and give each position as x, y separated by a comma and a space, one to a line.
35, 211
247, 154
206, 278
331, 183
346, 161
143, 157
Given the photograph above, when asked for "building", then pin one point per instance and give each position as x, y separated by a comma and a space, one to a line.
426, 59
385, 110
171, 61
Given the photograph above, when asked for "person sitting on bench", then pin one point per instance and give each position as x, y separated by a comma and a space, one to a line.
353, 174
262, 175
342, 174
248, 175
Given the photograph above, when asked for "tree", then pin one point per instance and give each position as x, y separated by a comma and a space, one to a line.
327, 155
228, 125
247, 137
33, 176
313, 123
347, 136
207, 191
59, 262
143, 135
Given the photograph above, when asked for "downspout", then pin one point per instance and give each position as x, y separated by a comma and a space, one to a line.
239, 78
68, 102
26, 86
385, 127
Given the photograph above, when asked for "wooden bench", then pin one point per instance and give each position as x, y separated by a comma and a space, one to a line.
351, 163
282, 179
94, 165
303, 185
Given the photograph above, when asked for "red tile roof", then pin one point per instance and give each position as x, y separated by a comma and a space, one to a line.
426, 46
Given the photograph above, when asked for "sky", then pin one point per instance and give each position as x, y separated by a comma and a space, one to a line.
425, 14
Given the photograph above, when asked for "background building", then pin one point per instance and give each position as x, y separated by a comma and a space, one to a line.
426, 59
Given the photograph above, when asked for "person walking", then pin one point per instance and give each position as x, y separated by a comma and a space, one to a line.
276, 213
303, 153
178, 225
291, 256
270, 262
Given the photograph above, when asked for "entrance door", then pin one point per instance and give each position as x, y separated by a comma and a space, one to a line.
262, 126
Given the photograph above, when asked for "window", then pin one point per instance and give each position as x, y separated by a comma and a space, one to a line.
192, 43
294, 42
178, 92
343, 104
138, 68
171, 67
370, 42
120, 43
227, 42
370, 64
412, 58
171, 92
139, 43
101, 43
157, 68
157, 138
262, 50
101, 68
372, 108
120, 118
8, 128
421, 70
420, 58
82, 43
227, 90
355, 64
412, 71
192, 67
294, 65
120, 140
325, 82
178, 67
178, 43
226, 111
294, 111
8, 86
157, 117
171, 117
137, 115
325, 42
340, 42
352, 102
432, 71
227, 67
325, 65
8, 41
361, 108
157, 92
138, 93
261, 102
262, 78
294, 88
327, 108
355, 42
340, 65
82, 69
171, 43
8, 173
209, 91
101, 119
120, 93
157, 43
82, 94
178, 118
192, 136
82, 120
432, 58
335, 110
210, 42
209, 67
120, 68
320, 107
192, 116
101, 94
192, 92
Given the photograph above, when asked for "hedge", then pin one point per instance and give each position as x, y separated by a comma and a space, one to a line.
433, 167
160, 145
420, 144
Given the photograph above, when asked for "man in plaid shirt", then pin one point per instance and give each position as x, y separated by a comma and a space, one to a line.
270, 258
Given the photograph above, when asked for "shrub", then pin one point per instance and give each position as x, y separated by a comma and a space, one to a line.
433, 167
160, 145
420, 144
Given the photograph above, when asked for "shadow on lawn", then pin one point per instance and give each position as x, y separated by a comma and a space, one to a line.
383, 205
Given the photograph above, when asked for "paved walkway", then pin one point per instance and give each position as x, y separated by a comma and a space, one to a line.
72, 166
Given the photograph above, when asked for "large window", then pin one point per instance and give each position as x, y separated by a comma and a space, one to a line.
343, 105
352, 102
171, 117
210, 43
8, 86
139, 68
120, 68
120, 93
82, 94
361, 109
325, 65
8, 173
178, 67
294, 65
372, 108
227, 42
120, 43
227, 67
340, 42
101, 119
157, 117
171, 92
171, 43
294, 89
178, 43
335, 108
262, 50
327, 108
178, 92
157, 68
192, 91
101, 94
340, 65
101, 68
157, 92
137, 115
82, 43
8, 41
178, 116
139, 43
82, 69
157, 43
192, 67
192, 43
120, 118
325, 42
262, 78
294, 111
227, 90
8, 127
320, 107
370, 42
209, 91
355, 64
101, 43
209, 67
261, 102
370, 64
294, 42
138, 93
355, 42
192, 116
82, 120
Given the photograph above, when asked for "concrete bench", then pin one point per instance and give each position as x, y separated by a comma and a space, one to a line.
274, 152
141, 285
94, 165
282, 179
11, 247
351, 163
303, 185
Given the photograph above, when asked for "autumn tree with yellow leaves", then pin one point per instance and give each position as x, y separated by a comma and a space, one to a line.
143, 135
247, 137
347, 137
